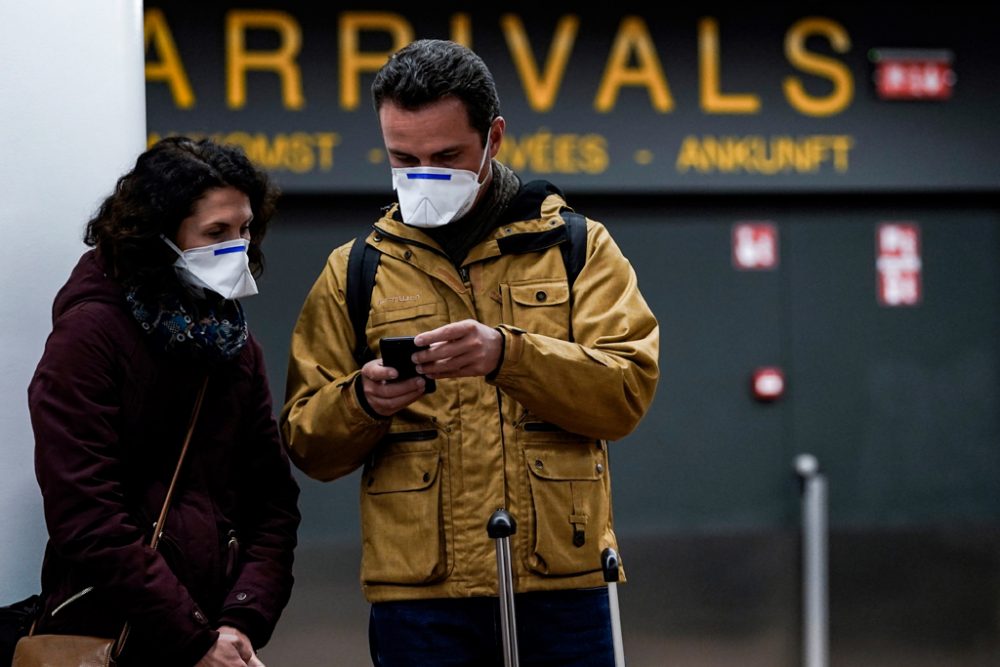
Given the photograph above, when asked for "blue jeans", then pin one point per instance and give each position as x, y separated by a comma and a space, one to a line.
571, 628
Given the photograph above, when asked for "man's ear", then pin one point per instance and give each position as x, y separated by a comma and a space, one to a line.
497, 129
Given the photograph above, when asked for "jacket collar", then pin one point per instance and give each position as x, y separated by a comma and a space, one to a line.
531, 223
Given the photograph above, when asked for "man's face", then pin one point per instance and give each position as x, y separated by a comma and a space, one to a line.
437, 135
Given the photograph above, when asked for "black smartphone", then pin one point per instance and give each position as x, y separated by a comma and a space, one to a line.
396, 352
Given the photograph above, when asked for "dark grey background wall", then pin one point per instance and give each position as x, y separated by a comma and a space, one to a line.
899, 404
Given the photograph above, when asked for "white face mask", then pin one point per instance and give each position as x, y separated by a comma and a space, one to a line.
434, 196
223, 268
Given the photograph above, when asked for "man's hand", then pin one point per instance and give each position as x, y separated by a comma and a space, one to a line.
460, 349
384, 395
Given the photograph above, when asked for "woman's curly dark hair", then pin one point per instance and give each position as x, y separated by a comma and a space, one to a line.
160, 192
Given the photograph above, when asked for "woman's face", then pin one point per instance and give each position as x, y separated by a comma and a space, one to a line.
222, 214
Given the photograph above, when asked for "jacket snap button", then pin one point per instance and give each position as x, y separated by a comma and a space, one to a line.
427, 477
600, 468
539, 464
407, 254
540, 296
377, 237
241, 596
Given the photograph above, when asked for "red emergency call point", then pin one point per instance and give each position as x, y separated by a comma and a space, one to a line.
768, 383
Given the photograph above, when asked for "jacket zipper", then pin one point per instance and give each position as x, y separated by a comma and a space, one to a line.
410, 436
541, 426
232, 555
503, 449
71, 599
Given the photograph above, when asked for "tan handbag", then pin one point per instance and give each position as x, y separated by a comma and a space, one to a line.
50, 650
63, 651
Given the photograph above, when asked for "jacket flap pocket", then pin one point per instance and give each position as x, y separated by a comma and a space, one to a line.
562, 463
540, 294
405, 471
382, 315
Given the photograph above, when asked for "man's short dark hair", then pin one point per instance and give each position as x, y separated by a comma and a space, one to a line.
428, 70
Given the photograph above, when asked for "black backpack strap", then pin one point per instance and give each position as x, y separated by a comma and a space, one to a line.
362, 265
574, 251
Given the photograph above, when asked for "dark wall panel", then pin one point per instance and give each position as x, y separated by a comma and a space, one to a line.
900, 404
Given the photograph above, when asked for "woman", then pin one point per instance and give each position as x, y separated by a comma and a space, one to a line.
146, 316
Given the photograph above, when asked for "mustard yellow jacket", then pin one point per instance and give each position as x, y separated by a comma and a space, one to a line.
532, 439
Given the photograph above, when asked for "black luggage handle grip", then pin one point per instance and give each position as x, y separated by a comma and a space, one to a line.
501, 524
610, 564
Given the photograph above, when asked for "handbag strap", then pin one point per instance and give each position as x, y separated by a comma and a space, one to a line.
157, 530
158, 526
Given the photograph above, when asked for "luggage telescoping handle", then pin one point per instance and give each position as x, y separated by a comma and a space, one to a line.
610, 564
500, 527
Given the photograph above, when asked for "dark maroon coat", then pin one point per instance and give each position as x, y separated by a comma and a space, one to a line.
109, 412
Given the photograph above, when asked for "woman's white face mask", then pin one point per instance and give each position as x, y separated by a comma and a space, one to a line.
435, 196
223, 268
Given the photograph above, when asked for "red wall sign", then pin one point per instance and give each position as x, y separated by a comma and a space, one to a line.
898, 264
755, 245
913, 74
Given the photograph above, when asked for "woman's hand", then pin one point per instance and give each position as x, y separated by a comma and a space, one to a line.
232, 649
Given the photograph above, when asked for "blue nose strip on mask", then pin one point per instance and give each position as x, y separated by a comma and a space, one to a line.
429, 177
226, 251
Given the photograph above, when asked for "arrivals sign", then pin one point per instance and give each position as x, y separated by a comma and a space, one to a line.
601, 100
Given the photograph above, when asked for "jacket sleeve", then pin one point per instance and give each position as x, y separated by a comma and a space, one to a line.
328, 432
268, 519
75, 401
611, 365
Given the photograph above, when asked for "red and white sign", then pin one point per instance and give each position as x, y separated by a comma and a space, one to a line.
898, 264
913, 74
755, 245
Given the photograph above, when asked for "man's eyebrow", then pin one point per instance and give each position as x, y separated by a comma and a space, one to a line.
396, 152
446, 151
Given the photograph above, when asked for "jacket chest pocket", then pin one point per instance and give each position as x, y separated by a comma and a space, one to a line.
540, 307
402, 513
570, 506
401, 321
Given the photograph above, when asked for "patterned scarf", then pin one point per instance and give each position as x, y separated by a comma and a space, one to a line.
196, 329
459, 237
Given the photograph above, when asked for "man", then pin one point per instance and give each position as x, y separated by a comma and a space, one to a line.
533, 378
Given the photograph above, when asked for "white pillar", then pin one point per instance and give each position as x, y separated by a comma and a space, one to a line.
72, 120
